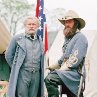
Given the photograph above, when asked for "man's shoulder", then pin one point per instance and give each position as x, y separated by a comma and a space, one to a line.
19, 36
80, 36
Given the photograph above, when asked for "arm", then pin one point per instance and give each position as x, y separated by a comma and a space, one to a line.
10, 51
77, 54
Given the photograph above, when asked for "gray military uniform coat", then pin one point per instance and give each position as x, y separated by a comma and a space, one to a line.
15, 55
74, 50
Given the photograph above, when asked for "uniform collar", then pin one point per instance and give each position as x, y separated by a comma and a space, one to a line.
29, 36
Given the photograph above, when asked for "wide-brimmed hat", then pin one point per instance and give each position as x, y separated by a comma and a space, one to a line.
72, 15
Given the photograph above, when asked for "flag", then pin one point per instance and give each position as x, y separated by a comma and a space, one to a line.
46, 59
40, 14
42, 31
45, 39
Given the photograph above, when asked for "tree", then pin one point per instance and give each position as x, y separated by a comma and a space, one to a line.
13, 12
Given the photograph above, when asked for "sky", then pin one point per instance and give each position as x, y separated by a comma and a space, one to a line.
87, 9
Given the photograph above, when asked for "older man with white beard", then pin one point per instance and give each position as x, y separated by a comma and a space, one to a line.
25, 57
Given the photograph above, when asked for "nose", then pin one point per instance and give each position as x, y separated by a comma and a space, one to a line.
66, 24
31, 25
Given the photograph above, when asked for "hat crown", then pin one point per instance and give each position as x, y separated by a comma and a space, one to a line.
71, 14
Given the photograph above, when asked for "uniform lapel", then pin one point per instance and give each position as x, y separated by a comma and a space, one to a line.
22, 42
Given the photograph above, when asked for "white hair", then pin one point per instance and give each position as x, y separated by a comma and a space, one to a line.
30, 17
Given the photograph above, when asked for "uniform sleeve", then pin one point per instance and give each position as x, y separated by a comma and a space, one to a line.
10, 51
78, 53
60, 61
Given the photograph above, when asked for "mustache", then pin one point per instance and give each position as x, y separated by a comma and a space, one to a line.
68, 32
31, 29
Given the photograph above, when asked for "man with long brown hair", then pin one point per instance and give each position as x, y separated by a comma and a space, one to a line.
65, 71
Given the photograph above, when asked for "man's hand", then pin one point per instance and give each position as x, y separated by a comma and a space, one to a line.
53, 67
64, 67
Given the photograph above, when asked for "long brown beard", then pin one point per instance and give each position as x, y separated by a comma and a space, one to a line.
69, 33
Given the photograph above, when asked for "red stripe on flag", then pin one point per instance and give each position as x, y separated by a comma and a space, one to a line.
46, 40
37, 8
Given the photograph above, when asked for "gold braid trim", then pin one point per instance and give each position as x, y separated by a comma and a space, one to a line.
72, 59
